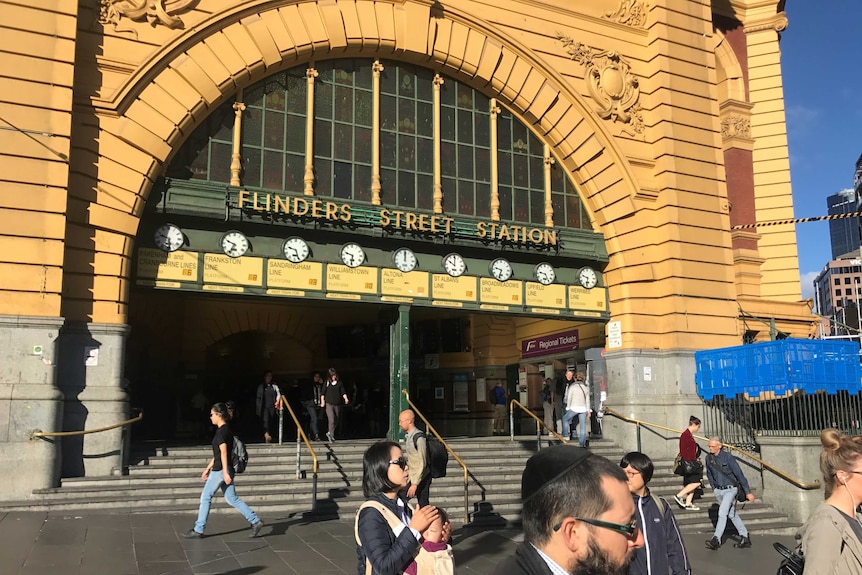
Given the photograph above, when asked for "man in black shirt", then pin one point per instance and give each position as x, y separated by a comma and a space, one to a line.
310, 394
266, 405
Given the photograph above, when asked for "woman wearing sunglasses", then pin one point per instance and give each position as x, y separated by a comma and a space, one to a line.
386, 531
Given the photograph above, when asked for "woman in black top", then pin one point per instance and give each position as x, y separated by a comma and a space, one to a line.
333, 394
384, 474
218, 474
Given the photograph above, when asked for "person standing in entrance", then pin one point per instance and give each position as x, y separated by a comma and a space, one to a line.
548, 403
498, 400
266, 405
416, 450
219, 474
689, 451
726, 479
577, 405
311, 402
334, 395
560, 397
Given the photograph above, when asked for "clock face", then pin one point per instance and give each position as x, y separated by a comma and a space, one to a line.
352, 255
454, 265
169, 237
295, 249
588, 277
405, 260
501, 269
545, 273
234, 244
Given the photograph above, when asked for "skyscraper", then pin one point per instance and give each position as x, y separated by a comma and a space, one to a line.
843, 233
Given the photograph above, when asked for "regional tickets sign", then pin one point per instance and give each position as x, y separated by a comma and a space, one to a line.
550, 344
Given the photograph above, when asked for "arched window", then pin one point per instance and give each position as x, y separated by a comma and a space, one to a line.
274, 155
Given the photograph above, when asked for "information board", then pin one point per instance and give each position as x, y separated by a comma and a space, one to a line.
446, 287
551, 296
221, 269
351, 280
304, 276
505, 293
174, 266
412, 284
588, 299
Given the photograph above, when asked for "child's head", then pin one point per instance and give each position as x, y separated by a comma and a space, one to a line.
434, 532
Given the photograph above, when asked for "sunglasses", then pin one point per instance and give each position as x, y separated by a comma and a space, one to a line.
400, 462
630, 530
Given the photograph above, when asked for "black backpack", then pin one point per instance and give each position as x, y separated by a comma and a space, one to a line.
793, 562
238, 455
435, 454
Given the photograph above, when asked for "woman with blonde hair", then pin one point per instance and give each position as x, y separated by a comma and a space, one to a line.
832, 536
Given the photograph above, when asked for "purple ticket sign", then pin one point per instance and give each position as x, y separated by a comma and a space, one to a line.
550, 344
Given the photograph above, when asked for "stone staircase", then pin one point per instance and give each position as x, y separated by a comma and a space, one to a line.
167, 480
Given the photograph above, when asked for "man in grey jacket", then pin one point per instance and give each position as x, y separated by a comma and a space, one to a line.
726, 478
415, 448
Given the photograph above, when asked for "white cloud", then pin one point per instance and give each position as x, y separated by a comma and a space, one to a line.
807, 282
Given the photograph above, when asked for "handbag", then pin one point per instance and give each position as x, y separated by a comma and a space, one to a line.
793, 563
741, 495
678, 468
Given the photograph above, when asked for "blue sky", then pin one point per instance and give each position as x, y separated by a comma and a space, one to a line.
822, 94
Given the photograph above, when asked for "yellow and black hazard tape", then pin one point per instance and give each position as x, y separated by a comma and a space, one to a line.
797, 220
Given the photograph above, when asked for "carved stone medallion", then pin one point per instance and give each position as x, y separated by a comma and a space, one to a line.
735, 127
631, 12
153, 11
610, 83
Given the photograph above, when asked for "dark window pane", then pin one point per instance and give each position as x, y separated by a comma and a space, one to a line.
536, 147
364, 104
425, 85
406, 190
342, 180
537, 172
504, 168
252, 127
343, 73
573, 211
465, 127
406, 152
465, 198
519, 136
323, 177
447, 92
425, 119
558, 202
450, 195
297, 88
388, 113
362, 183
254, 97
406, 116
388, 185
389, 78
556, 177
519, 170
388, 150
522, 206
465, 97
275, 99
220, 162
483, 165
362, 144
274, 130
406, 82
296, 134
363, 75
425, 155
224, 125
343, 104
447, 123
251, 167
272, 170
343, 142
505, 195
504, 131
425, 191
483, 130
483, 200
199, 169
447, 159
322, 100
322, 138
465, 162
537, 208
294, 173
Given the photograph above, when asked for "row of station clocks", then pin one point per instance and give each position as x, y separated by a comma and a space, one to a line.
169, 238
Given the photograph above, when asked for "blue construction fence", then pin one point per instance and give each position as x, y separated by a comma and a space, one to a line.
779, 368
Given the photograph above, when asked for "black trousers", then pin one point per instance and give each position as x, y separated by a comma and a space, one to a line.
270, 421
423, 490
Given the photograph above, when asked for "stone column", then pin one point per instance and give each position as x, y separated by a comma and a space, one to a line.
655, 386
29, 401
91, 377
798, 457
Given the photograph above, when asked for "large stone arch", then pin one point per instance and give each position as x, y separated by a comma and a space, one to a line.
188, 77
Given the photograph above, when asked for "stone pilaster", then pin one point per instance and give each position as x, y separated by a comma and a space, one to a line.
91, 377
29, 401
798, 457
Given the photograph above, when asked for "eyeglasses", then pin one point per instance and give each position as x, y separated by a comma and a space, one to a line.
630, 530
631, 473
400, 462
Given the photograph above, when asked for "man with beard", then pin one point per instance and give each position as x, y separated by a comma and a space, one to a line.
578, 516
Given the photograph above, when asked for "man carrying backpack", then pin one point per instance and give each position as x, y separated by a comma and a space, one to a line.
415, 448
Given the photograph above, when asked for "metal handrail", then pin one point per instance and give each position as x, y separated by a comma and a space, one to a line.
300, 434
36, 434
798, 483
539, 424
467, 474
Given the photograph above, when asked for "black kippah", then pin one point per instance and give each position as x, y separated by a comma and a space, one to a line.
548, 466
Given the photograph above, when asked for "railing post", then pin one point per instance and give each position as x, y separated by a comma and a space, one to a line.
124, 467
281, 424
298, 456
466, 499
638, 425
538, 436
512, 421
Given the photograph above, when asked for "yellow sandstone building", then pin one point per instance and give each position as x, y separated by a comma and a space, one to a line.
427, 195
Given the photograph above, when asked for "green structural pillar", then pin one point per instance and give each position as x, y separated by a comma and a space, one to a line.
399, 368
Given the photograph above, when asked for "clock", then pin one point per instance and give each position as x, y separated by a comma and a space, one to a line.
545, 273
587, 277
234, 244
295, 249
454, 265
169, 237
501, 269
405, 260
352, 255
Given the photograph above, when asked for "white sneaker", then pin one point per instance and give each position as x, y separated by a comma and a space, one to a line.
679, 501
693, 507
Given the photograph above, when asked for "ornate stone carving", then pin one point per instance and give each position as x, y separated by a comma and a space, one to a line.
631, 12
778, 22
153, 11
610, 83
735, 127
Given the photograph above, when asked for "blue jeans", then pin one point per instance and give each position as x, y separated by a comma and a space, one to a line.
726, 508
214, 482
582, 426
